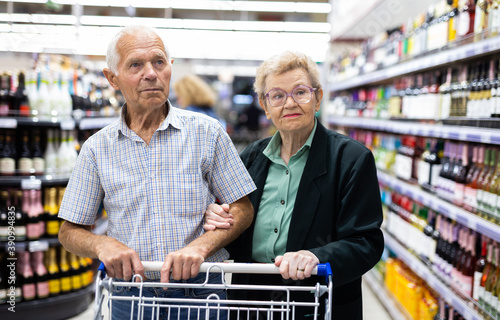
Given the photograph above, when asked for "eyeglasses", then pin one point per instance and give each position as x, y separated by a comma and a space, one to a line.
301, 94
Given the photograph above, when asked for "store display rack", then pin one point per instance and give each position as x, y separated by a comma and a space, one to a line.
445, 208
55, 122
59, 307
374, 280
465, 308
430, 61
462, 133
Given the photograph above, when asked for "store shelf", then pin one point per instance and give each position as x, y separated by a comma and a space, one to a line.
462, 133
95, 123
47, 122
33, 182
447, 209
432, 280
431, 61
60, 307
373, 279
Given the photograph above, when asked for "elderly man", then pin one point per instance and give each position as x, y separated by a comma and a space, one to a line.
156, 169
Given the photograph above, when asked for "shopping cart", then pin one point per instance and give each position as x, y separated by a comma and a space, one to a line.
214, 306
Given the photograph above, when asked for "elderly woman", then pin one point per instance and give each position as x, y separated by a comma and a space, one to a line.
317, 197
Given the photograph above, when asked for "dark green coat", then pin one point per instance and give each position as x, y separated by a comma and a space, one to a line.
337, 214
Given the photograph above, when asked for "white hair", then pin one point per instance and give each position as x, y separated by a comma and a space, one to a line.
113, 56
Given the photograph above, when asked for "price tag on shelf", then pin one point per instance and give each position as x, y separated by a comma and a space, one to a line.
38, 246
28, 184
8, 123
67, 124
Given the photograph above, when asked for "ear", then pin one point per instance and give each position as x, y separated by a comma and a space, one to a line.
319, 97
263, 106
111, 78
172, 61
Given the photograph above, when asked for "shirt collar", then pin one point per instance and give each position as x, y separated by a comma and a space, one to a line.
171, 119
273, 149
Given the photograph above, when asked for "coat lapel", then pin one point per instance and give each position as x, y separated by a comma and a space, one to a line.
308, 194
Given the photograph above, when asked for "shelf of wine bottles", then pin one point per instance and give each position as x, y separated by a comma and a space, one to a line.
432, 130
449, 210
426, 274
42, 275
433, 60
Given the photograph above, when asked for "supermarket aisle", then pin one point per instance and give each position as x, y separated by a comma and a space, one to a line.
372, 308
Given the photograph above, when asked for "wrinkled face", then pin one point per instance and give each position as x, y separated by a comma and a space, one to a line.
292, 117
143, 72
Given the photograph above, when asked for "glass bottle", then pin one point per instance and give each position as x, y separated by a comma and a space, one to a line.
28, 279
21, 104
52, 227
479, 269
4, 215
8, 156
480, 182
468, 268
490, 301
25, 161
470, 192
460, 174
488, 269
50, 155
37, 154
76, 278
41, 275
53, 271
487, 213
64, 271
492, 191
20, 216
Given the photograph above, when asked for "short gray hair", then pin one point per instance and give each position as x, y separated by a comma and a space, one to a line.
112, 55
282, 63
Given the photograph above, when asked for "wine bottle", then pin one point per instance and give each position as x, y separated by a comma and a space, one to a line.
4, 94
65, 271
486, 274
20, 216
50, 155
76, 278
27, 277
31, 219
4, 215
3, 278
25, 162
53, 271
52, 210
37, 154
8, 158
41, 276
479, 268
20, 99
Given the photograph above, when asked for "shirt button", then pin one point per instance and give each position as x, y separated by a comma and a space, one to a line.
272, 260
282, 202
275, 230
287, 172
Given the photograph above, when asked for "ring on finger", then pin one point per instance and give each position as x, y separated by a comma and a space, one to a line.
299, 269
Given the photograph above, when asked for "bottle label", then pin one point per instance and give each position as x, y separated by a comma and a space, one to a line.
76, 282
470, 197
466, 284
424, 172
481, 295
42, 289
403, 166
3, 295
39, 165
21, 231
463, 23
459, 194
65, 284
52, 227
29, 291
25, 165
54, 286
477, 282
7, 166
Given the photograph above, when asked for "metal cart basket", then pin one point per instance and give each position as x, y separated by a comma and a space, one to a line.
214, 307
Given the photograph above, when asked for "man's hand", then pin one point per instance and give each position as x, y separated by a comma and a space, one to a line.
296, 265
121, 262
218, 217
181, 264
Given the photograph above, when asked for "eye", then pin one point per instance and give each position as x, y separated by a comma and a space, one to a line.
134, 64
160, 62
277, 95
300, 92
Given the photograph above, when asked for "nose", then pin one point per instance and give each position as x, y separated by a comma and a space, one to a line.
289, 97
149, 72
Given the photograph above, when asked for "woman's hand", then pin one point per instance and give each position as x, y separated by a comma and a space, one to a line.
218, 216
296, 265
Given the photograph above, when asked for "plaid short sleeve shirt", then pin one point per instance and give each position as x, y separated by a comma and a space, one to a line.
155, 195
